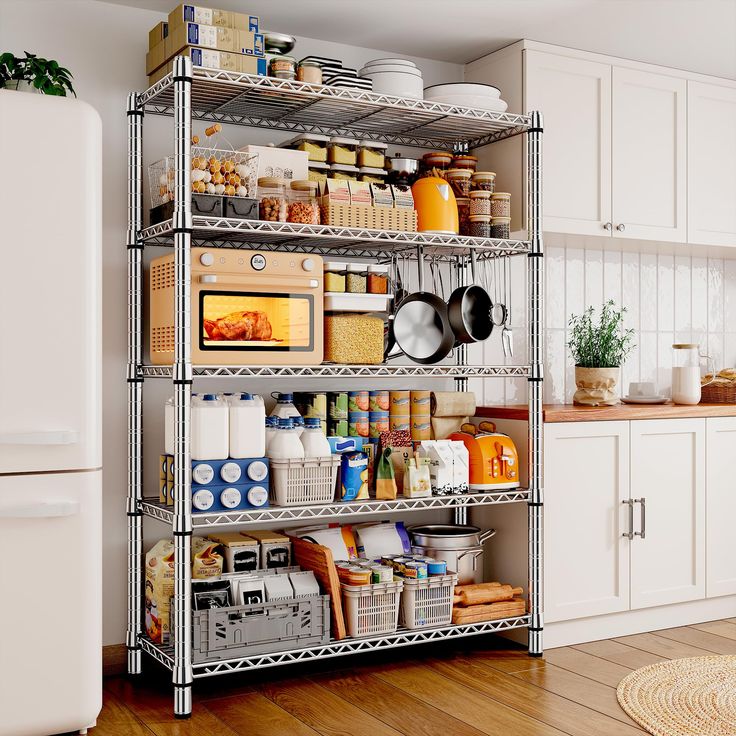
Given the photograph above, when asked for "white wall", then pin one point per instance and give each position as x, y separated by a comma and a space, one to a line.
104, 46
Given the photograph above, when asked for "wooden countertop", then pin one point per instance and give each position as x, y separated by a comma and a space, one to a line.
572, 413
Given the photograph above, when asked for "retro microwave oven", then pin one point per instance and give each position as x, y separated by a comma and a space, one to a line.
247, 308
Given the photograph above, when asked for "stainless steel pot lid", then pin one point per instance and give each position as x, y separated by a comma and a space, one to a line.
449, 536
444, 530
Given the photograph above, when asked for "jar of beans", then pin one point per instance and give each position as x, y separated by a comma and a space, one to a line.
483, 180
459, 180
463, 215
357, 278
480, 203
303, 205
480, 226
378, 279
501, 227
501, 204
272, 199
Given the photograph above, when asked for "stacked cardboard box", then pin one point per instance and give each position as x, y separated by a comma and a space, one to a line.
216, 39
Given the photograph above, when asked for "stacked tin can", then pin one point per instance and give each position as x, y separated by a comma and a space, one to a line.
337, 414
399, 411
421, 424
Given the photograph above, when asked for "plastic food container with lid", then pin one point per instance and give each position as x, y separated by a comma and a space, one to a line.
480, 226
357, 278
372, 175
501, 227
272, 196
465, 162
372, 153
342, 151
437, 160
334, 272
282, 67
480, 202
343, 171
318, 171
459, 180
303, 205
378, 278
501, 204
314, 144
484, 180
309, 71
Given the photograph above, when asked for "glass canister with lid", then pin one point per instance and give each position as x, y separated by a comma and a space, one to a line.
480, 202
501, 227
272, 199
483, 180
501, 204
378, 278
282, 67
459, 180
463, 215
464, 161
310, 71
440, 160
480, 226
372, 154
342, 151
357, 278
303, 204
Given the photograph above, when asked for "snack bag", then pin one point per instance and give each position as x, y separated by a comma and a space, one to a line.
207, 562
159, 589
354, 476
386, 487
417, 480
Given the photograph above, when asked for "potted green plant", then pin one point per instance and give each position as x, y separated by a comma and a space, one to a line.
599, 349
34, 74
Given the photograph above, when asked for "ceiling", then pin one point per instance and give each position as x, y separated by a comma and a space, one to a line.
697, 35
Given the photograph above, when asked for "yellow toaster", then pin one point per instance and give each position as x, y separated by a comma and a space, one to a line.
494, 462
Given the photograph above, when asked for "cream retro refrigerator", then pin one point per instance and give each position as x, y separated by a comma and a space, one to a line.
50, 415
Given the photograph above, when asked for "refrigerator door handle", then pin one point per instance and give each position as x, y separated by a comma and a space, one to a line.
60, 437
42, 510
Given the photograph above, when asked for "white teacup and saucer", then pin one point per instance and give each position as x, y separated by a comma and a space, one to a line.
643, 392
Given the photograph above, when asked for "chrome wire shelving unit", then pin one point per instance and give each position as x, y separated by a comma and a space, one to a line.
203, 94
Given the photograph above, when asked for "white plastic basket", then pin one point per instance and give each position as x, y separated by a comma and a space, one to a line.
372, 609
308, 481
427, 602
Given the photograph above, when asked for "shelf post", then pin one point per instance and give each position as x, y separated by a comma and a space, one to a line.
135, 387
536, 357
181, 611
461, 357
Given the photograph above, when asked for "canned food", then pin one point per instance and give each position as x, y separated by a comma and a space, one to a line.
399, 423
358, 424
437, 567
358, 401
399, 402
358, 576
382, 574
378, 422
379, 401
415, 570
398, 564
420, 403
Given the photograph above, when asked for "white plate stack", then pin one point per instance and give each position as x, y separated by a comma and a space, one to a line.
467, 94
399, 77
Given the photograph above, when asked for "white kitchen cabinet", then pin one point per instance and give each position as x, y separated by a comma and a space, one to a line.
668, 472
649, 155
574, 96
711, 164
721, 506
586, 481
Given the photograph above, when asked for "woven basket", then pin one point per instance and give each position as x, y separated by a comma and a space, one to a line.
365, 216
719, 392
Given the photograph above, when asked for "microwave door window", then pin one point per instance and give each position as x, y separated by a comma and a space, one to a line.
256, 321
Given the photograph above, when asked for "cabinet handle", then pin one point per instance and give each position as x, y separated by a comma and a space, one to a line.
630, 533
621, 227
642, 517
608, 226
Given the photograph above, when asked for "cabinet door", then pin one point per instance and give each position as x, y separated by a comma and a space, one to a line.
575, 99
711, 164
721, 507
649, 156
586, 481
668, 472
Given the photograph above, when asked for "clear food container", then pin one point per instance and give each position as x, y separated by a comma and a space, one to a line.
357, 278
342, 151
282, 67
480, 202
318, 171
335, 274
309, 71
353, 338
501, 227
480, 226
372, 153
343, 171
459, 180
501, 204
303, 205
272, 199
440, 160
465, 162
372, 175
463, 215
313, 144
483, 180
378, 279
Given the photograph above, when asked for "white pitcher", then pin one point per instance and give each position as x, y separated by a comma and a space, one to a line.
686, 373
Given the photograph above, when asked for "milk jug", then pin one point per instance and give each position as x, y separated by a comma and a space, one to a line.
313, 439
210, 428
247, 426
271, 427
686, 373
285, 408
285, 444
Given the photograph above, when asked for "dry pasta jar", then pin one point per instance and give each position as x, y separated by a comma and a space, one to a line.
480, 203
501, 204
483, 180
378, 279
272, 205
303, 205
335, 272
480, 226
463, 215
357, 278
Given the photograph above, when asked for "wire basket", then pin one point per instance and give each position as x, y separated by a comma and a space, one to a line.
427, 602
304, 482
371, 610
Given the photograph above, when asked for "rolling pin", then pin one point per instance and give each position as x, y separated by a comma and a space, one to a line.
472, 595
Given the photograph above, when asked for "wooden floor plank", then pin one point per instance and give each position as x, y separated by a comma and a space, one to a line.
324, 711
571, 718
588, 665
507, 660
202, 723
116, 719
711, 642
720, 628
463, 703
398, 709
619, 653
252, 713
659, 645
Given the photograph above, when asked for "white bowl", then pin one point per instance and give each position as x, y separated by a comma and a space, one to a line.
401, 85
367, 71
399, 62
476, 101
465, 88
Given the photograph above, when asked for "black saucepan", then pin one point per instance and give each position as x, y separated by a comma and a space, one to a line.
469, 310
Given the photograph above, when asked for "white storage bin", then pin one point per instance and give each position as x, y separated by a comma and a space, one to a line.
427, 602
295, 482
371, 610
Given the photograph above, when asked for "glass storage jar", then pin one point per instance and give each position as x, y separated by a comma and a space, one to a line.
440, 160
459, 180
501, 227
318, 171
335, 273
309, 71
372, 175
501, 204
357, 278
465, 162
343, 171
282, 67
342, 151
303, 205
463, 215
378, 279
483, 180
372, 153
480, 203
480, 226
272, 199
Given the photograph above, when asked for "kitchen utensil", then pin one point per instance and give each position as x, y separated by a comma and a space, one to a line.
404, 83
401, 170
400, 294
436, 205
469, 310
421, 326
278, 43
507, 334
686, 372
461, 88
498, 310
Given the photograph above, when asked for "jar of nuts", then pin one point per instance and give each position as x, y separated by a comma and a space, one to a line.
501, 204
272, 199
303, 205
480, 203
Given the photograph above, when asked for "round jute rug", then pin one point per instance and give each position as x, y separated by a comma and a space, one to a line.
683, 697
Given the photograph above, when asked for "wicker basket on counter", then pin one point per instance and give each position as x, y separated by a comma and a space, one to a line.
721, 391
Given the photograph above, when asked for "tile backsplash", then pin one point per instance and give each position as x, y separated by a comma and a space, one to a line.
669, 298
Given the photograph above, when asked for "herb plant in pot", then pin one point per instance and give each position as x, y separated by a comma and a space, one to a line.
599, 349
34, 74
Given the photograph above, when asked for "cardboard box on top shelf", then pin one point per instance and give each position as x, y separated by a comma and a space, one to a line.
157, 34
247, 42
211, 59
212, 17
282, 163
213, 37
156, 57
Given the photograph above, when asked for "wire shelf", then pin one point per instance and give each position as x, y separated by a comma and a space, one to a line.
266, 102
165, 653
343, 371
325, 239
153, 508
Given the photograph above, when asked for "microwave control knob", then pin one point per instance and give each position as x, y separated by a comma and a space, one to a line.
308, 264
206, 259
258, 262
